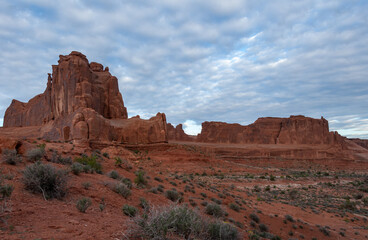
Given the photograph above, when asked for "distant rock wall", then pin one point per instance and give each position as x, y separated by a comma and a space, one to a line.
360, 142
293, 130
82, 102
177, 133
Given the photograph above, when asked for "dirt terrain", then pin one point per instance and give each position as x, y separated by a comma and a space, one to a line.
316, 198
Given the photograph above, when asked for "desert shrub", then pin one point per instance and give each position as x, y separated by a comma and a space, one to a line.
158, 179
119, 162
173, 195
127, 182
219, 230
254, 217
289, 218
140, 180
90, 163
214, 210
35, 154
5, 192
203, 194
86, 185
122, 190
45, 179
143, 203
83, 204
160, 188
113, 174
11, 157
129, 210
106, 155
179, 222
349, 205
56, 158
234, 207
263, 227
77, 168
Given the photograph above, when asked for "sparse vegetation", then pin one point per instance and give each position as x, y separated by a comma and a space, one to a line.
140, 179
129, 210
214, 210
173, 195
35, 154
83, 204
45, 179
11, 157
114, 174
6, 191
90, 163
175, 221
122, 190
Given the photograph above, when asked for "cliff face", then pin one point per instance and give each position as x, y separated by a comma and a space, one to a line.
74, 84
293, 130
82, 102
360, 142
177, 133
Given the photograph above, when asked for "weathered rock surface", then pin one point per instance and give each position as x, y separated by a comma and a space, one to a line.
177, 133
360, 142
293, 130
82, 102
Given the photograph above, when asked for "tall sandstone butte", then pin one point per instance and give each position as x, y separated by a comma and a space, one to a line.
82, 102
293, 130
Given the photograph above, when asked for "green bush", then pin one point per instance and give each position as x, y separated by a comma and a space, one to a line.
45, 179
90, 163
11, 157
140, 179
179, 222
129, 210
173, 195
214, 210
77, 168
5, 192
114, 174
254, 217
234, 207
56, 158
219, 230
35, 154
83, 204
122, 190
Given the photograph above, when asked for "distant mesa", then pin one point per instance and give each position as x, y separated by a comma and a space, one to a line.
82, 102
269, 130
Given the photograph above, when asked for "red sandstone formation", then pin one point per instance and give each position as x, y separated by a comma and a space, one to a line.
82, 102
293, 130
360, 142
177, 133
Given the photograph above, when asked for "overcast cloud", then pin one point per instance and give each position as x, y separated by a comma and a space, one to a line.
201, 60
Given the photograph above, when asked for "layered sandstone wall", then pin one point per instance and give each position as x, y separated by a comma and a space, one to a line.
360, 142
293, 130
177, 133
82, 102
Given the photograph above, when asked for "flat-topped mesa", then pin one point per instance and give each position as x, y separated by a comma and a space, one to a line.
82, 101
293, 130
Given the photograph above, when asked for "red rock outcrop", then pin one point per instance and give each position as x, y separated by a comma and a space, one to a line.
360, 142
82, 102
293, 130
177, 133
74, 84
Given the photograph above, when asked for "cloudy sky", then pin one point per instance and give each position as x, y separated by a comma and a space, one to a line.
201, 60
